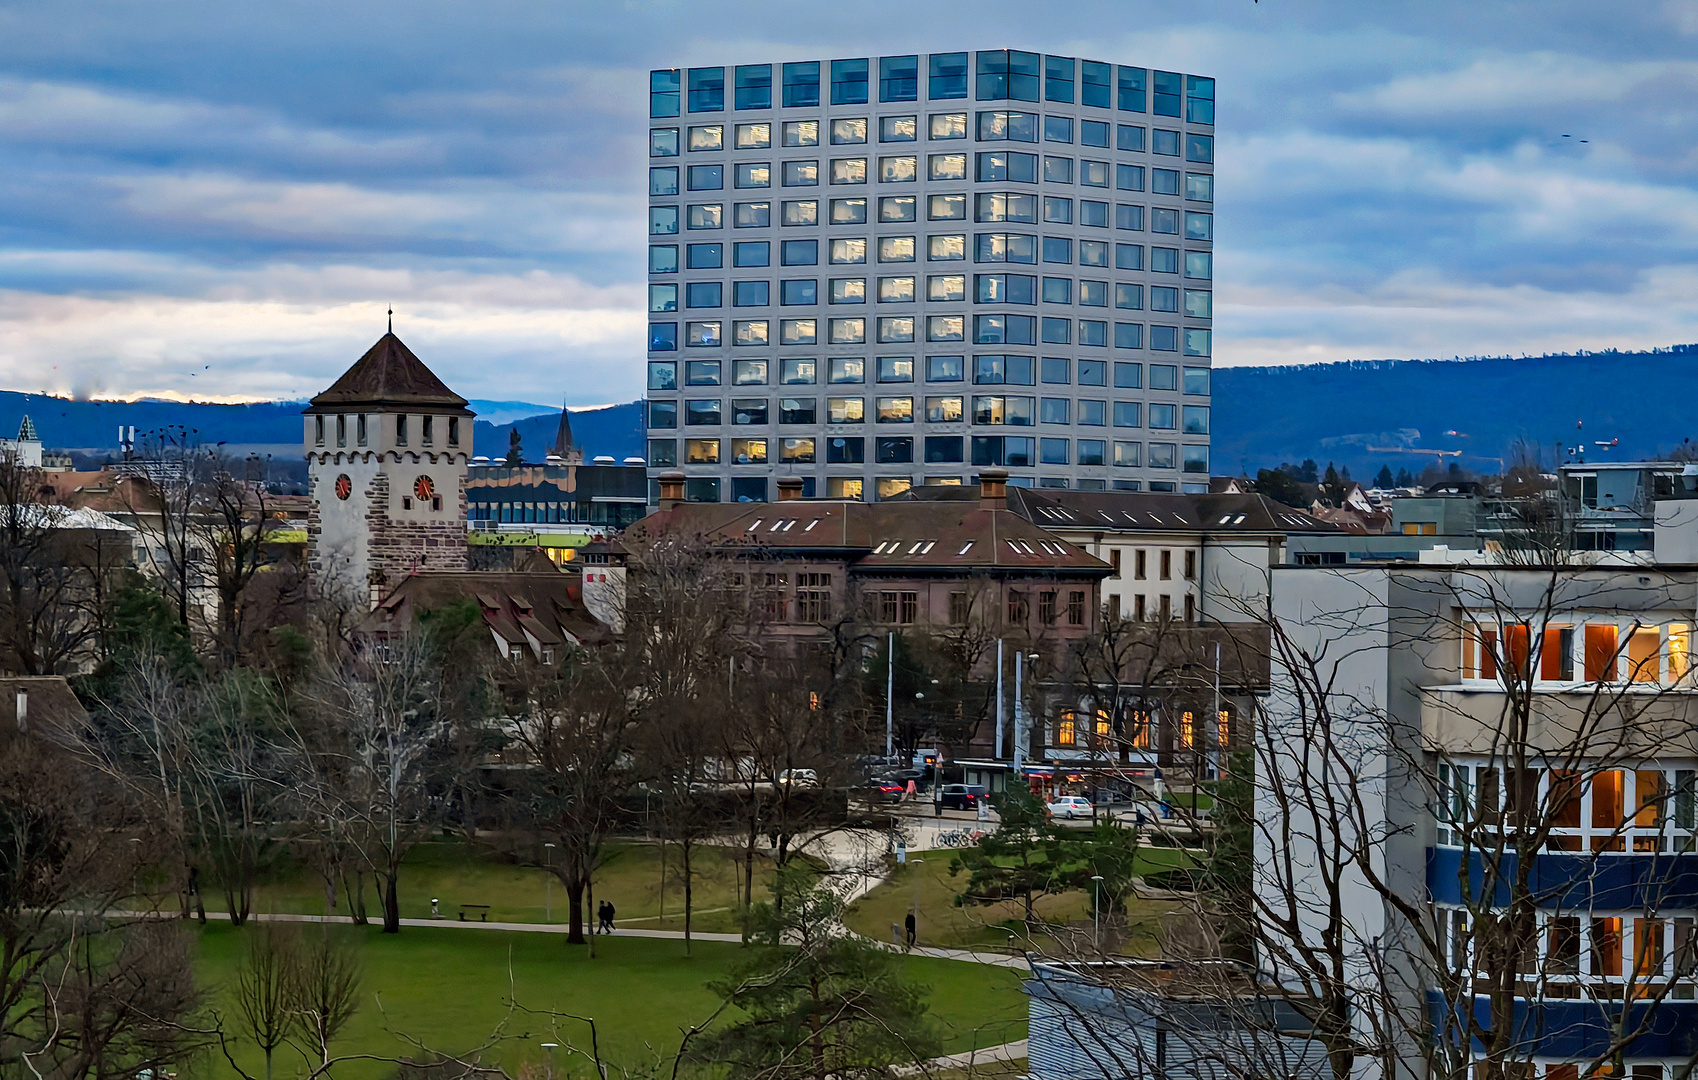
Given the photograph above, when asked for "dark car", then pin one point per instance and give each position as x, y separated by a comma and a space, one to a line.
885, 790
962, 796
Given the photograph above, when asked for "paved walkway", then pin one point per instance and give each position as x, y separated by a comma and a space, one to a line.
451, 924
1012, 1051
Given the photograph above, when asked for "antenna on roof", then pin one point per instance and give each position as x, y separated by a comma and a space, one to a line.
391, 320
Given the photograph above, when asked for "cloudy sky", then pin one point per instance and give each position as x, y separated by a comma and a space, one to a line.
220, 199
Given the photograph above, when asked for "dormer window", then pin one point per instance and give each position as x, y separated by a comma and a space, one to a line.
401, 430
318, 431
341, 430
425, 430
453, 431
360, 429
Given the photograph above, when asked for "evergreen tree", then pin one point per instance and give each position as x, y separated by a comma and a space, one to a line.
1278, 485
1332, 487
1231, 856
515, 455
1384, 478
1017, 859
814, 1000
1405, 478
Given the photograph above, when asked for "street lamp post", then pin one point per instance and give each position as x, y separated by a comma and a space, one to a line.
550, 1047
1096, 911
548, 883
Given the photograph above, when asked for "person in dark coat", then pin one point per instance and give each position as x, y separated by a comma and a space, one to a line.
607, 913
908, 927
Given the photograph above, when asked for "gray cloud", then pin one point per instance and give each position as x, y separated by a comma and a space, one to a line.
225, 206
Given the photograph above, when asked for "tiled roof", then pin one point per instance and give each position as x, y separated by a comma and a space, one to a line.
888, 536
546, 604
389, 375
1143, 511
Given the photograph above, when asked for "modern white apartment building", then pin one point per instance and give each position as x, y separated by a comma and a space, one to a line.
875, 273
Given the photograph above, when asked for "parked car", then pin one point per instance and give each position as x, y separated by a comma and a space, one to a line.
1070, 807
962, 796
887, 790
799, 777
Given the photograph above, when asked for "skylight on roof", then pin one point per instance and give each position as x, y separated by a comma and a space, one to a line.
965, 548
753, 525
811, 525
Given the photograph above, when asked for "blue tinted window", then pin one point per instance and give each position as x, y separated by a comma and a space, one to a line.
706, 177
1161, 416
1093, 413
1058, 331
943, 368
1199, 100
801, 252
1164, 260
1054, 369
799, 291
706, 256
1092, 332
1129, 177
663, 259
1131, 88
1058, 78
751, 294
1094, 82
1126, 413
1052, 451
1164, 339
703, 294
1093, 133
663, 414
1007, 75
1053, 410
1199, 148
1058, 290
848, 82
1129, 137
663, 337
751, 253
1058, 249
754, 86
707, 89
899, 78
943, 449
1093, 373
1127, 335
801, 84
663, 93
947, 77
1169, 86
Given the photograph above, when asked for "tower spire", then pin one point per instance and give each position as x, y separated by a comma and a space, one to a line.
391, 320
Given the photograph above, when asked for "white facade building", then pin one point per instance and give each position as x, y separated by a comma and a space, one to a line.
883, 272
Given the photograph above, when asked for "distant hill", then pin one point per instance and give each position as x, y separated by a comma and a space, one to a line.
1356, 413
1266, 415
276, 425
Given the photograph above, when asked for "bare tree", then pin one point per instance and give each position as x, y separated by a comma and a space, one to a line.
265, 991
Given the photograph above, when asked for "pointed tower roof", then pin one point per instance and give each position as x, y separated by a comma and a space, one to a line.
26, 430
563, 434
388, 376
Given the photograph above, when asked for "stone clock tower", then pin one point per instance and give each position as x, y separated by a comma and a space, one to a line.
387, 451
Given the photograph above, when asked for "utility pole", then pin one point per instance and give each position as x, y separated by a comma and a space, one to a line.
1019, 709
999, 699
1216, 763
890, 699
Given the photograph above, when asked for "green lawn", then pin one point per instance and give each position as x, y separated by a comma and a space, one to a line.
456, 873
926, 880
450, 987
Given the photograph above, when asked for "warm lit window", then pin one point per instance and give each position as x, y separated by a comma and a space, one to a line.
1643, 659
1680, 649
1140, 733
1188, 730
1601, 652
1064, 733
1556, 653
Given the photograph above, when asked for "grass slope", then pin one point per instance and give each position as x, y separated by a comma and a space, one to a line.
449, 987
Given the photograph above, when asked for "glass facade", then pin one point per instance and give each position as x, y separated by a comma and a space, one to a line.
953, 221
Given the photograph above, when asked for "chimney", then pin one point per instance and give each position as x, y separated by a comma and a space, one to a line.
993, 489
671, 490
790, 489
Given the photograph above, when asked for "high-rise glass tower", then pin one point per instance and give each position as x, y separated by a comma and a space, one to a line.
879, 272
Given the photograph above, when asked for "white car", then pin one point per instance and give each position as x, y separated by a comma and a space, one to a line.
799, 777
1070, 807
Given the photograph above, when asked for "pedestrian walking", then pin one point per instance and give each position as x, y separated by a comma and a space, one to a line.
908, 926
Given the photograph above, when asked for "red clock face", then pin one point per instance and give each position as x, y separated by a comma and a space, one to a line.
344, 486
424, 489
